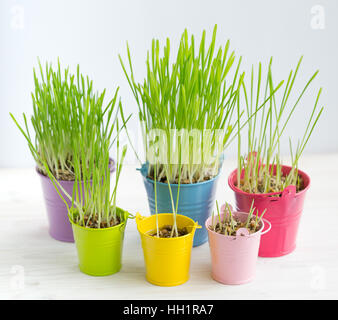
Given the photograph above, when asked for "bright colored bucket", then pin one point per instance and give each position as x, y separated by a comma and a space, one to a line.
234, 258
284, 210
57, 214
100, 250
196, 200
167, 260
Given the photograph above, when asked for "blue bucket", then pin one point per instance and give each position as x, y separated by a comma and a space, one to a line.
196, 201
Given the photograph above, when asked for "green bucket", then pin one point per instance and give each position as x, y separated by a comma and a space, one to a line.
100, 250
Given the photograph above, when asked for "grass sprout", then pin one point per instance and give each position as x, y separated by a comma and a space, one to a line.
229, 224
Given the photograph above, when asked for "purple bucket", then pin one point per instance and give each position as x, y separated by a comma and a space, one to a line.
59, 225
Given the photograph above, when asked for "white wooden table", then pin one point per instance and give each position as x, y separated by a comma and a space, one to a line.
35, 266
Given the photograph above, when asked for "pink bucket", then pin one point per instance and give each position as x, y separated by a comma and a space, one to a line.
283, 211
234, 258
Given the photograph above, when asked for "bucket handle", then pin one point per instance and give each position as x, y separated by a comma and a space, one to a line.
138, 217
197, 226
130, 215
268, 229
289, 191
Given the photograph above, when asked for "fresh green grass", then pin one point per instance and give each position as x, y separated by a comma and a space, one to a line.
260, 168
65, 106
192, 98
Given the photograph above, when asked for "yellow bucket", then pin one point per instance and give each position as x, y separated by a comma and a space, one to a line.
167, 260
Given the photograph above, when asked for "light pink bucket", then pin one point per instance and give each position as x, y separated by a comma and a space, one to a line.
233, 258
284, 210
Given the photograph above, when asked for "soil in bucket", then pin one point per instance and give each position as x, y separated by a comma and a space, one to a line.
232, 225
208, 175
167, 232
274, 185
92, 222
230, 228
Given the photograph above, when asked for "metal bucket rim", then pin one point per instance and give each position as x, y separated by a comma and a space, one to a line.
111, 165
102, 229
191, 233
182, 185
255, 234
264, 195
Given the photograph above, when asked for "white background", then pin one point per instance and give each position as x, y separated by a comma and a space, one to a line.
93, 33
